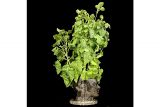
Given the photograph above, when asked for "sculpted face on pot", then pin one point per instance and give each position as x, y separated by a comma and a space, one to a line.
88, 88
93, 87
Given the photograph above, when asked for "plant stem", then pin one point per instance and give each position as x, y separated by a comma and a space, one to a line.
96, 14
67, 50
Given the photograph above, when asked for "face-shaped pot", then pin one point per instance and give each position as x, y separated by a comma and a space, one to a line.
88, 88
93, 87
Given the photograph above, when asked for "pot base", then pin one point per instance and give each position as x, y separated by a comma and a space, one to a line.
83, 103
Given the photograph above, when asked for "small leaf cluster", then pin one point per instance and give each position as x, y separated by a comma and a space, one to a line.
78, 50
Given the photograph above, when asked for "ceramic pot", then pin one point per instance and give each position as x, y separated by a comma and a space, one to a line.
87, 91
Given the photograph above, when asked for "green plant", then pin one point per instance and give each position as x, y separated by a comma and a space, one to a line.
78, 50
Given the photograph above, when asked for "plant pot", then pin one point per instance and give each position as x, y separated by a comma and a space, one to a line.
87, 91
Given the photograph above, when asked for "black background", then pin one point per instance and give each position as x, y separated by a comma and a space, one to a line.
44, 87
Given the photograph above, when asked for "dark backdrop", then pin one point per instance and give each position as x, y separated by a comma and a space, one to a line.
44, 87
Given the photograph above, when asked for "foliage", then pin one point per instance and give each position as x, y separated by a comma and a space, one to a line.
78, 50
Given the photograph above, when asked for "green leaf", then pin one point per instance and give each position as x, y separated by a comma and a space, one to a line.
100, 71
98, 27
57, 37
79, 65
99, 78
76, 65
56, 43
102, 9
61, 56
86, 50
83, 75
105, 43
77, 11
102, 32
69, 31
65, 79
92, 16
97, 61
60, 31
74, 41
58, 66
85, 25
93, 68
80, 50
97, 48
101, 17
86, 30
107, 25
65, 68
92, 44
93, 62
83, 43
91, 32
96, 6
76, 76
91, 74
98, 39
78, 29
99, 75
100, 54
79, 22
59, 53
71, 74
101, 4
55, 50
86, 57
66, 37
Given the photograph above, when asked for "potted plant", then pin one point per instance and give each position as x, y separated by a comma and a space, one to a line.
78, 51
